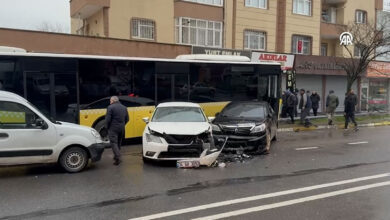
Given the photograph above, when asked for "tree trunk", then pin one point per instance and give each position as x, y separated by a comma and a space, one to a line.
350, 82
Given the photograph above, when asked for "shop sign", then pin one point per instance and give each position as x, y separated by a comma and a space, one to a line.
219, 51
290, 80
386, 5
378, 69
319, 65
286, 60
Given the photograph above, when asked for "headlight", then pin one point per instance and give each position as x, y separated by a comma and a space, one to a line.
95, 134
258, 129
216, 128
152, 138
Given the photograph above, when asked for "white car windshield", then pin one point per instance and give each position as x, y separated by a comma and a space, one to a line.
178, 114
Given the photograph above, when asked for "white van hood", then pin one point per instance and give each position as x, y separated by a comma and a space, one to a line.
180, 128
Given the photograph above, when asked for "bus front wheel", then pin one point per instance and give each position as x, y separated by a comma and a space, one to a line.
101, 128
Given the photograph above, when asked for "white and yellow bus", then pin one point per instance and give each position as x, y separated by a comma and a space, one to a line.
76, 88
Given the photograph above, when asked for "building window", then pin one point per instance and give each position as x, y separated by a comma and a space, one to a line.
358, 50
301, 45
324, 49
142, 29
256, 3
198, 32
207, 2
360, 17
302, 7
254, 40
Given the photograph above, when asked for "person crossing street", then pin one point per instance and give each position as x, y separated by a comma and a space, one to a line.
349, 109
332, 102
116, 119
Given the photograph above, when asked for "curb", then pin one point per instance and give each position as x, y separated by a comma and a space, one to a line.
312, 128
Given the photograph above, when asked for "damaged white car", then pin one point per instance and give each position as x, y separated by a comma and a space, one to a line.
180, 131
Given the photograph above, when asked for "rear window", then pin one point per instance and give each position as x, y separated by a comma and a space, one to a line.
244, 111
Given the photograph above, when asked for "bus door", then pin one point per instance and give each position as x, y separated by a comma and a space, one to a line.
172, 82
55, 94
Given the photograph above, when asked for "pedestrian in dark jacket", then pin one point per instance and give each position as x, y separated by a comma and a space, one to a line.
305, 106
349, 108
116, 119
332, 102
284, 105
315, 100
296, 92
291, 100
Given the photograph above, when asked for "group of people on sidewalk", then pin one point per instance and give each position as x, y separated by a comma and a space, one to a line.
307, 102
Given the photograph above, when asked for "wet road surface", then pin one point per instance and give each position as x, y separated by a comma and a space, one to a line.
324, 174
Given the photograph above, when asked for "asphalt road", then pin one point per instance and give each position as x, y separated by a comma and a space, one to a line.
324, 174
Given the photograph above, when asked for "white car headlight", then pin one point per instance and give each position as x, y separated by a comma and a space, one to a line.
259, 128
95, 134
152, 138
216, 128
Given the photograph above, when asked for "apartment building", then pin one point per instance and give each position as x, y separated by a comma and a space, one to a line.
305, 28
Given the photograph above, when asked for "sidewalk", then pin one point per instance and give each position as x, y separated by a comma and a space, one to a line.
321, 122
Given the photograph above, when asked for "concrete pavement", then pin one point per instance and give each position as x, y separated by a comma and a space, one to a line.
297, 160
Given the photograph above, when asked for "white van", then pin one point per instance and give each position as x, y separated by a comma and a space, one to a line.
28, 137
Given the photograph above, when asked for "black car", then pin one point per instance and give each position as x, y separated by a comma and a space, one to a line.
249, 126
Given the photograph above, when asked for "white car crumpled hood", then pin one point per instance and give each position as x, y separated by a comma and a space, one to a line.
180, 128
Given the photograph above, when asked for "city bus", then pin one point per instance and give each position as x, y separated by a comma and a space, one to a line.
76, 88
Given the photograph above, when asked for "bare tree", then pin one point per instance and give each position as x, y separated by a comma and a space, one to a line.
370, 41
50, 27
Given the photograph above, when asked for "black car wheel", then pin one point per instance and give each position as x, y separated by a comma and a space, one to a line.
74, 159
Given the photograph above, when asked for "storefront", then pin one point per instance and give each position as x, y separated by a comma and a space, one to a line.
322, 74
375, 88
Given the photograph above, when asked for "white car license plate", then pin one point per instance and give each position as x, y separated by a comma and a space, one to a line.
187, 164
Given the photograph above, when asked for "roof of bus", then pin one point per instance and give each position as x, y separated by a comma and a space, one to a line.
122, 58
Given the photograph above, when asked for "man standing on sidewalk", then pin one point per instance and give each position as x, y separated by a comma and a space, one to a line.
315, 100
332, 102
349, 108
116, 119
305, 106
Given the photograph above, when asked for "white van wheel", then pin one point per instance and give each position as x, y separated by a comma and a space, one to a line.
74, 159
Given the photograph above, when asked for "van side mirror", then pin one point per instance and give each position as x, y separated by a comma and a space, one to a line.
39, 123
146, 120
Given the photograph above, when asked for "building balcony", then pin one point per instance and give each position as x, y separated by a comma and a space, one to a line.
333, 2
331, 31
85, 8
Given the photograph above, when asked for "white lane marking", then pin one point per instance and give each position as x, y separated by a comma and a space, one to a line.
361, 142
258, 197
306, 148
293, 201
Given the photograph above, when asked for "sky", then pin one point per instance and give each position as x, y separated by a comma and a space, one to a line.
34, 14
